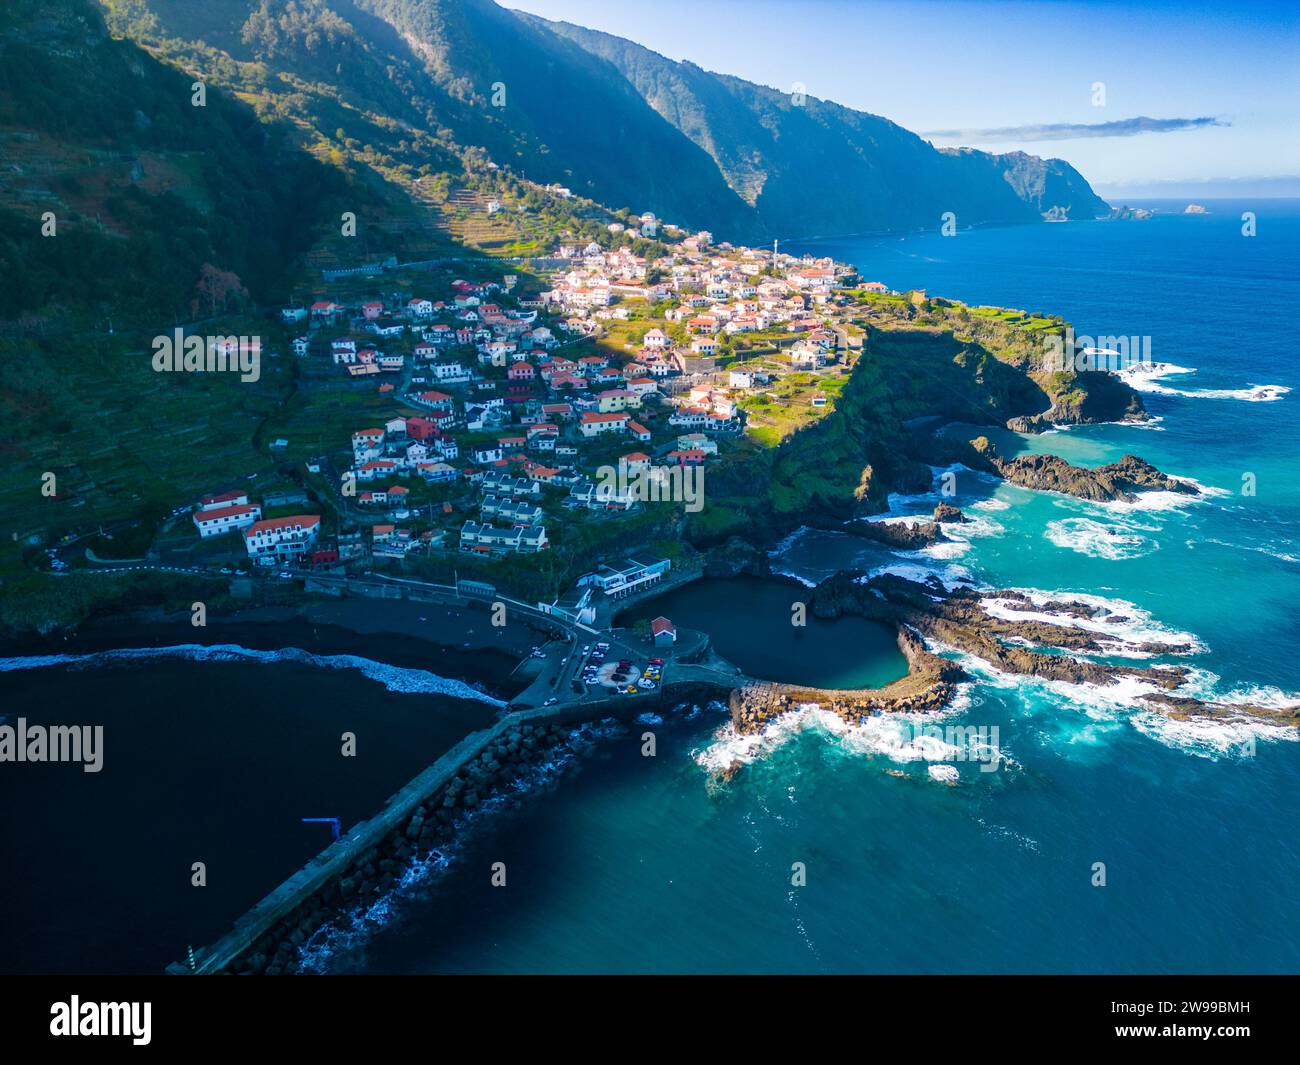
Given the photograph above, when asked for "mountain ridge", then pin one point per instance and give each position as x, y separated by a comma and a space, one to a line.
617, 122
741, 124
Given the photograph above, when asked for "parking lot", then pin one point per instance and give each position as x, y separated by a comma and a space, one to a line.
602, 668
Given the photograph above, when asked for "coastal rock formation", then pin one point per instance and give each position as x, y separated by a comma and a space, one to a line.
1116, 481
946, 512
1184, 709
1031, 425
1092, 396
897, 534
734, 558
959, 618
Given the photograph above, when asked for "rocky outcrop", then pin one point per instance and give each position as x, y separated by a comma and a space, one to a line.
1093, 396
1184, 709
946, 512
1116, 481
1022, 646
896, 534
734, 558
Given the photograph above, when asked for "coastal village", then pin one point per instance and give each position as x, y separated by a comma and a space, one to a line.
516, 410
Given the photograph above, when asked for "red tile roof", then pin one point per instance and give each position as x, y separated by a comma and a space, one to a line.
307, 521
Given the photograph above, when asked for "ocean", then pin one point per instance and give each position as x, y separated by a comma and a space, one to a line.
1103, 838
210, 754
647, 864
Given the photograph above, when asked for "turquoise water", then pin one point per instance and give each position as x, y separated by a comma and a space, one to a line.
648, 864
849, 652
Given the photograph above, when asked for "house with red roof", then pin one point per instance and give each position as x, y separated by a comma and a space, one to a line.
594, 424
282, 538
216, 521
225, 499
635, 461
663, 631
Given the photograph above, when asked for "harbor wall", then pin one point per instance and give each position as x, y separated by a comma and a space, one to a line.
371, 857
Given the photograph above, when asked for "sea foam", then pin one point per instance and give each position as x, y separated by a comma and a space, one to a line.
394, 678
1147, 377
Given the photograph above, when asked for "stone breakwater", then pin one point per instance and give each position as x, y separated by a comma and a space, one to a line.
372, 858
930, 685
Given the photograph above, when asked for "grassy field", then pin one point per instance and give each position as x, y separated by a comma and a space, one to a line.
123, 441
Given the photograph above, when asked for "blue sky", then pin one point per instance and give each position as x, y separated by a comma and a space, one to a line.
991, 75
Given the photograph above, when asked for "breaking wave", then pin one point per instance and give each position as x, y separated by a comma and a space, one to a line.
394, 678
1147, 378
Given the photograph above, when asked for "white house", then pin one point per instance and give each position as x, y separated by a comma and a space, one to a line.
289, 537
594, 424
218, 521
488, 539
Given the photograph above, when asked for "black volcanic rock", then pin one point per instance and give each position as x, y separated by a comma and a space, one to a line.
1116, 481
897, 534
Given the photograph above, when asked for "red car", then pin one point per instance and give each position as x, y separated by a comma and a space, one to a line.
656, 661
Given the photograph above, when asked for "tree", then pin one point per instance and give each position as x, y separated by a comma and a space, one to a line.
216, 287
